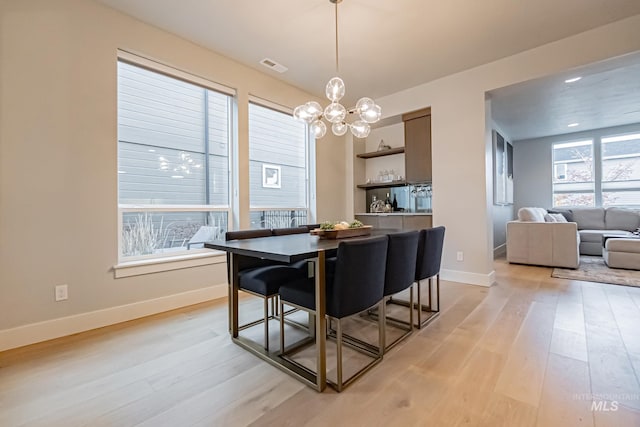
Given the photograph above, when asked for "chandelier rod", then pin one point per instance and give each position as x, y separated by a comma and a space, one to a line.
337, 60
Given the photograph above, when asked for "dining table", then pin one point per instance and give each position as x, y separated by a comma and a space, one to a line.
288, 249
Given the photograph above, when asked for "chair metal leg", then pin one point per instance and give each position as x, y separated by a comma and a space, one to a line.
339, 354
382, 326
432, 309
411, 307
266, 323
437, 292
281, 305
419, 306
274, 306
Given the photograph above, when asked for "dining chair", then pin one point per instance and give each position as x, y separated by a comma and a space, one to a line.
290, 230
428, 264
399, 276
260, 278
357, 285
309, 227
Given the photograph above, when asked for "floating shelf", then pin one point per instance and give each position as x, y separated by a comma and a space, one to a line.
381, 153
382, 184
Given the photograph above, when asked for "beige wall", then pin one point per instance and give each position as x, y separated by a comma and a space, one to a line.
58, 186
58, 155
462, 182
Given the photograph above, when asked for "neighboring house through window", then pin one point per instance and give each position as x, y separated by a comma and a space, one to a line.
279, 169
573, 174
597, 172
174, 136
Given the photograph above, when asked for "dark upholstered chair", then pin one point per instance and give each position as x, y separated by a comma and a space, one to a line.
357, 285
400, 275
427, 267
291, 230
310, 227
261, 278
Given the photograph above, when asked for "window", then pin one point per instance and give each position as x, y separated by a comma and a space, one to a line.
279, 164
573, 180
173, 162
621, 170
610, 178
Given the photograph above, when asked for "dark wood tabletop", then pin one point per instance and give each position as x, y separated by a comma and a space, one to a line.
288, 248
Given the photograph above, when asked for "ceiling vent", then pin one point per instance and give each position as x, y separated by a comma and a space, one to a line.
273, 65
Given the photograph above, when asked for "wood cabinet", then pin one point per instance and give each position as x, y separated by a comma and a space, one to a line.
417, 222
400, 222
417, 145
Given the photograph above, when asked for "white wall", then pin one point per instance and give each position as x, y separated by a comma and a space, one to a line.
532, 160
58, 155
393, 135
462, 180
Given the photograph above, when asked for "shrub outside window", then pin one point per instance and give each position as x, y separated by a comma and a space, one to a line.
173, 163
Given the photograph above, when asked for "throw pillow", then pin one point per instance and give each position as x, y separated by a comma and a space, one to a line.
567, 213
558, 217
550, 218
531, 214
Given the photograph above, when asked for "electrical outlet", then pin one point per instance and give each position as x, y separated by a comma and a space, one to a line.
62, 292
460, 256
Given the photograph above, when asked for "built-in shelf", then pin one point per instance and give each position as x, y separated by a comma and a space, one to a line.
381, 153
382, 184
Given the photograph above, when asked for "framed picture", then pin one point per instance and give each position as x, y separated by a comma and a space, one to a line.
502, 170
271, 176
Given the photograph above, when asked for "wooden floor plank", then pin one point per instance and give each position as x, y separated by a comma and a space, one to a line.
524, 371
565, 394
610, 366
530, 350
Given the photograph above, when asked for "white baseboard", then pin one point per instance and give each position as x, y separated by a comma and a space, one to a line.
56, 328
500, 251
468, 278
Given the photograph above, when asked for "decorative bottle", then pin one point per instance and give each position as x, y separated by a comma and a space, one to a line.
387, 204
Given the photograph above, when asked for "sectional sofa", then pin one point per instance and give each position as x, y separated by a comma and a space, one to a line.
558, 238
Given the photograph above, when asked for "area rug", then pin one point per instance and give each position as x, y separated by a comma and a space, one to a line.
593, 269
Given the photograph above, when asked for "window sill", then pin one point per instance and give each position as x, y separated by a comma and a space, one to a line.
157, 265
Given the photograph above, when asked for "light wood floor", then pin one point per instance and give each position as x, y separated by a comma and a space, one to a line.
529, 351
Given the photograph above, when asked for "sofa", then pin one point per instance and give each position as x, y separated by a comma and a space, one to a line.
593, 223
532, 240
622, 253
558, 238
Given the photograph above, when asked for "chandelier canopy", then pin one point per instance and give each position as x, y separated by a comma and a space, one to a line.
366, 109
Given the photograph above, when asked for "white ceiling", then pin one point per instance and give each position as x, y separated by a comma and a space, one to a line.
607, 95
385, 45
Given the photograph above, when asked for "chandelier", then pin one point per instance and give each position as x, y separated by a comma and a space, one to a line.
366, 110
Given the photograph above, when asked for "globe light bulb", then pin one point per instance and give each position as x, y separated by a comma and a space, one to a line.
300, 113
318, 128
335, 113
371, 115
335, 89
339, 129
364, 104
314, 109
360, 129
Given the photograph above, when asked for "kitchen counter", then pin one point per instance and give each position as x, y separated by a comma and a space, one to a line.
397, 220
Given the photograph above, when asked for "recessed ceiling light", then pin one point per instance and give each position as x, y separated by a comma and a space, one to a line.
573, 80
572, 125
177, 176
